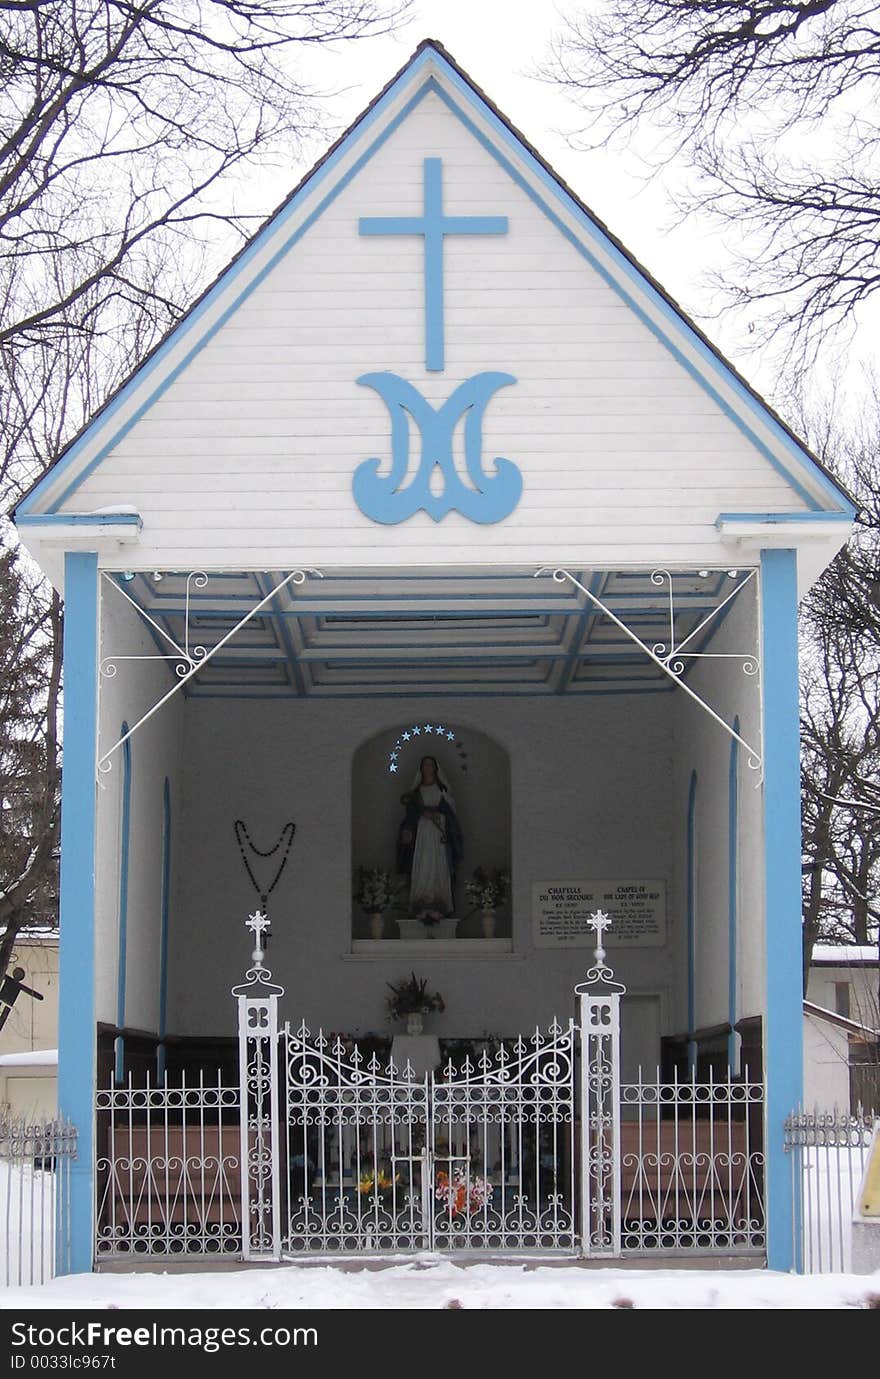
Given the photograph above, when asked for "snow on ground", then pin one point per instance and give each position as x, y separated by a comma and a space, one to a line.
429, 1282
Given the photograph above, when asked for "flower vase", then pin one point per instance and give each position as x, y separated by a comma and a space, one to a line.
377, 925
415, 1022
488, 922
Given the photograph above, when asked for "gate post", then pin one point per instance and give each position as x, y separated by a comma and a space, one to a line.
599, 1020
258, 1103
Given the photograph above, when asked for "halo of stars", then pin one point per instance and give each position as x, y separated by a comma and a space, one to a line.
417, 730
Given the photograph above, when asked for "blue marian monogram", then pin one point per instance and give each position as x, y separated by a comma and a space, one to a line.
436, 488
492, 496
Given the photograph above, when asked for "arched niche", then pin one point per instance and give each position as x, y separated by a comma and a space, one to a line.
477, 771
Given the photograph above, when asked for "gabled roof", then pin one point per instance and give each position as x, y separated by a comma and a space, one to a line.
432, 68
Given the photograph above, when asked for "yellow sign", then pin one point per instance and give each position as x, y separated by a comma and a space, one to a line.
869, 1196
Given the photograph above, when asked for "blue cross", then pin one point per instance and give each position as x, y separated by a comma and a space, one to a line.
433, 224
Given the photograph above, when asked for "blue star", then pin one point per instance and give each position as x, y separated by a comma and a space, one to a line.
440, 729
406, 737
394, 756
428, 728
416, 730
451, 736
393, 766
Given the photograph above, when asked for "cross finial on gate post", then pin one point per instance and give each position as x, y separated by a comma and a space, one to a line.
599, 922
258, 923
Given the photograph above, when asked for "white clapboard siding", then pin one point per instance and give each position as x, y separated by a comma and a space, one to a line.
247, 456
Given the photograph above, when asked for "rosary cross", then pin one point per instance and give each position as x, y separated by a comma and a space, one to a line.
599, 922
258, 923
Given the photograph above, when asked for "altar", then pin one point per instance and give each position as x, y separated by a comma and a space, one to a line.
418, 1052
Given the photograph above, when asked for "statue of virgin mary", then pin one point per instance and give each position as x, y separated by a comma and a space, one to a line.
429, 843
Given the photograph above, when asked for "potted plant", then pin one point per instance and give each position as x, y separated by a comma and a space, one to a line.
375, 890
486, 890
411, 1000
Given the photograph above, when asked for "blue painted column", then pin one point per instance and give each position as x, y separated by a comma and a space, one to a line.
783, 1036
732, 892
163, 930
76, 999
692, 924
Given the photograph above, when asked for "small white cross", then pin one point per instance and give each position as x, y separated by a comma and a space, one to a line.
258, 923
599, 922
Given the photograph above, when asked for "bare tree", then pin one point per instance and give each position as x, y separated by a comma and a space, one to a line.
125, 129
840, 711
30, 680
774, 105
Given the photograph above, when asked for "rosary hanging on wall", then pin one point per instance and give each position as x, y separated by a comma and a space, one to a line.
249, 851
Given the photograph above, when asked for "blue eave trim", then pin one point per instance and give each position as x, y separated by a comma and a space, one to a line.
80, 519
76, 1005
772, 519
416, 75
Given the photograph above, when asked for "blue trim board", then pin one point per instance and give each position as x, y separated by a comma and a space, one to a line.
783, 1039
76, 1005
163, 928
783, 518
122, 943
732, 891
627, 275
80, 519
691, 884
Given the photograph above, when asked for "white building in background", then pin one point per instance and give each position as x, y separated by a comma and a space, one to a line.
842, 1027
29, 1037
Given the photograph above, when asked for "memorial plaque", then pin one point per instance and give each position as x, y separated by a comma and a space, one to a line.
561, 913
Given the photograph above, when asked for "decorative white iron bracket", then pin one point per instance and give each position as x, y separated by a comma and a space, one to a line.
671, 657
258, 1083
189, 659
599, 1019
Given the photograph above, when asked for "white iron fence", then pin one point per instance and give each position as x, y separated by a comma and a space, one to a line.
168, 1170
828, 1152
35, 1158
692, 1165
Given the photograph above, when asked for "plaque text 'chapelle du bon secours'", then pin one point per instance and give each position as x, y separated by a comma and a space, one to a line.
561, 912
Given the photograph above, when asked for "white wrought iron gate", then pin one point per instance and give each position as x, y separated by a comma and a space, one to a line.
513, 1150
481, 1156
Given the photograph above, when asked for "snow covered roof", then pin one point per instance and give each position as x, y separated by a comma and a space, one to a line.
851, 1026
845, 954
35, 1058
